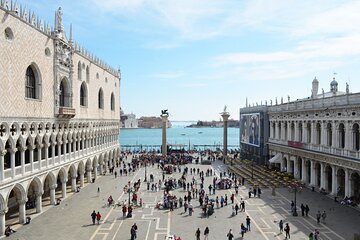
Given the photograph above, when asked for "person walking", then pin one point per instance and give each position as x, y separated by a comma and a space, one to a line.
307, 209
236, 208
287, 231
197, 234
98, 217
302, 207
242, 230
248, 223
318, 216
281, 226
206, 233
323, 216
93, 217
133, 231
230, 235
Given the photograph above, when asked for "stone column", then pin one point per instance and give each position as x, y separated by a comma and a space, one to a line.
324, 134
12, 161
52, 194
46, 146
73, 183
288, 164
296, 168
39, 201
348, 136
164, 118
304, 133
2, 154
39, 155
2, 221
22, 210
225, 115
271, 129
63, 187
59, 151
96, 172
347, 182
322, 176
335, 131
82, 179
296, 126
312, 172
283, 137
22, 152
64, 149
334, 180
101, 170
53, 154
313, 133
303, 170
277, 136
88, 173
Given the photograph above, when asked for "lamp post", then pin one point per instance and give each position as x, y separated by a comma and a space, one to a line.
295, 188
129, 191
145, 179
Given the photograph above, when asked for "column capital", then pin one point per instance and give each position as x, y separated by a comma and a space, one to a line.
74, 177
52, 187
13, 150
39, 193
3, 211
3, 152
64, 180
22, 201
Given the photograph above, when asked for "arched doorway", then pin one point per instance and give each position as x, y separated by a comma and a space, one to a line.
355, 185
341, 182
49, 190
308, 172
64, 97
34, 197
16, 205
300, 168
284, 164
318, 174
328, 177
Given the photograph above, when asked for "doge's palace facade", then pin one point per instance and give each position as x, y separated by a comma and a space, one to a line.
59, 114
317, 139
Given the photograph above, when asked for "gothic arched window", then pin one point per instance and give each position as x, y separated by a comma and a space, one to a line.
101, 99
83, 95
112, 104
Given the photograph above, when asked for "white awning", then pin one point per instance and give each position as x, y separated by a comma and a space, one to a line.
276, 158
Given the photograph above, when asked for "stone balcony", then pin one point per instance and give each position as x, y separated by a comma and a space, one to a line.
319, 148
66, 112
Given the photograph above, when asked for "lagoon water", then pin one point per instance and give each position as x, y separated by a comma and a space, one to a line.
179, 134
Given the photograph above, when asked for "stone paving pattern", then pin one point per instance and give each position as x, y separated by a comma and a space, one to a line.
71, 219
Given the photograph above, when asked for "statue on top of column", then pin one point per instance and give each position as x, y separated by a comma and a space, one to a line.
58, 20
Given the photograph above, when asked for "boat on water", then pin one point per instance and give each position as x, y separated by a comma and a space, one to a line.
183, 134
200, 132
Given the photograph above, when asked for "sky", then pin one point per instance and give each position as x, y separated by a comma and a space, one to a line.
193, 57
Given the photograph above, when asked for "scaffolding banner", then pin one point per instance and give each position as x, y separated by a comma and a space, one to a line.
250, 129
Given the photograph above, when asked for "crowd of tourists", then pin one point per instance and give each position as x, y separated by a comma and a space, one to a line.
192, 182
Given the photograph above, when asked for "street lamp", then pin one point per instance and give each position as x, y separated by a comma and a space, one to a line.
145, 180
295, 188
129, 191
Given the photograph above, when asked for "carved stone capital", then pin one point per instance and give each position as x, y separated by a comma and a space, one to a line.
39, 193
12, 150
52, 187
3, 152
22, 201
3, 211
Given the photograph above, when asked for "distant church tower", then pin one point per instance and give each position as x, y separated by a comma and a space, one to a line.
315, 88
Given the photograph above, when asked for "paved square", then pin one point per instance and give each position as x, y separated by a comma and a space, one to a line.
71, 219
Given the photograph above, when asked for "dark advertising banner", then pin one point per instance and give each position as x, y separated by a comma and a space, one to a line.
250, 129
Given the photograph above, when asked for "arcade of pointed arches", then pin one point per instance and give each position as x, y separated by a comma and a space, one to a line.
336, 180
71, 153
